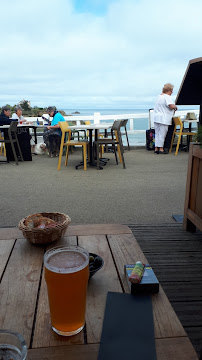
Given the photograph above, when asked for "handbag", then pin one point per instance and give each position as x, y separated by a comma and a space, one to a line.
150, 139
191, 116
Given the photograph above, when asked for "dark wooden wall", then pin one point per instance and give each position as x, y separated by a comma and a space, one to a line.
176, 257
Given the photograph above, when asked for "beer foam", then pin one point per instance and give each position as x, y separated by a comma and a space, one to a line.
66, 261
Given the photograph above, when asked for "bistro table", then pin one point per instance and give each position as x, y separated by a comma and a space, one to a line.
190, 122
91, 128
23, 138
24, 301
26, 125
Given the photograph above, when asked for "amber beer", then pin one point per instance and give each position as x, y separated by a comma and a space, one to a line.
66, 275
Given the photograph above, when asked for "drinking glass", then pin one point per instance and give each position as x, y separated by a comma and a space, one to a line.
66, 275
12, 346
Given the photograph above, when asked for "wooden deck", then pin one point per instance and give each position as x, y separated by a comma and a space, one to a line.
176, 257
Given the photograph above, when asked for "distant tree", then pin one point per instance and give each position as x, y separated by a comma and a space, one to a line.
13, 108
25, 104
31, 111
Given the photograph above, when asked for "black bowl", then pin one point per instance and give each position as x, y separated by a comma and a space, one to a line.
95, 265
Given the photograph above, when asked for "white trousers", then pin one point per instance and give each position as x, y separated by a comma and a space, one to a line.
160, 134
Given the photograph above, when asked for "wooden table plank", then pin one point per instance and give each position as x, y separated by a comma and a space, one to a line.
44, 336
10, 233
171, 348
103, 281
73, 230
127, 251
83, 352
5, 247
175, 349
19, 287
97, 229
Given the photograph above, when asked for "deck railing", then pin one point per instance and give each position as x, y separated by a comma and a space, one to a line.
131, 126
97, 118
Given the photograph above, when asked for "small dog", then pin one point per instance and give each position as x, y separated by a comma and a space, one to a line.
40, 149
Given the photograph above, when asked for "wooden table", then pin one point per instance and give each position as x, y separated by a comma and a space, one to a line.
190, 122
24, 301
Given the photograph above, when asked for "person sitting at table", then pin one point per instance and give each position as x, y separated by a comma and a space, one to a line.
5, 116
17, 115
52, 134
5, 120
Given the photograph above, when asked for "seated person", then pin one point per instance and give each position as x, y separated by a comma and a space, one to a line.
5, 120
4, 116
17, 115
52, 134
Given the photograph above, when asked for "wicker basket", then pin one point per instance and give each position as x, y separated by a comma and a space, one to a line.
47, 235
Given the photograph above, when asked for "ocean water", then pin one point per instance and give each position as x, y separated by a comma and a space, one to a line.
138, 124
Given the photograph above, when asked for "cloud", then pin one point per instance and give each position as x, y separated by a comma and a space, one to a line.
53, 52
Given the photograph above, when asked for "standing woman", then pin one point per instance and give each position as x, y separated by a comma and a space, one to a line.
163, 112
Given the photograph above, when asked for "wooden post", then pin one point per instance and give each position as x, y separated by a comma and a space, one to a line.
193, 195
200, 113
96, 118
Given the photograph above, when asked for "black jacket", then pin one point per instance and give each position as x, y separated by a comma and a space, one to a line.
4, 120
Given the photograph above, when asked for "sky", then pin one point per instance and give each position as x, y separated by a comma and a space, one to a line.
95, 53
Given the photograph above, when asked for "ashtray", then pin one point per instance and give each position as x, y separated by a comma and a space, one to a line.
95, 263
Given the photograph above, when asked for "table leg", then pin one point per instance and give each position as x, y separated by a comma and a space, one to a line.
92, 157
188, 137
90, 160
91, 146
35, 137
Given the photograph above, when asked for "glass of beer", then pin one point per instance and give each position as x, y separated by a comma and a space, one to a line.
12, 346
66, 275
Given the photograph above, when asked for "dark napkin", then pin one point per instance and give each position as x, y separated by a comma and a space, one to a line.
128, 331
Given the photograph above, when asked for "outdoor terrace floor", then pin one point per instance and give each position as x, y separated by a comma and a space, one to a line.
176, 257
149, 190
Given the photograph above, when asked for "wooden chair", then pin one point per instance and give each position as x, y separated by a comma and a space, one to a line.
114, 140
12, 140
84, 143
75, 134
2, 145
180, 132
123, 124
